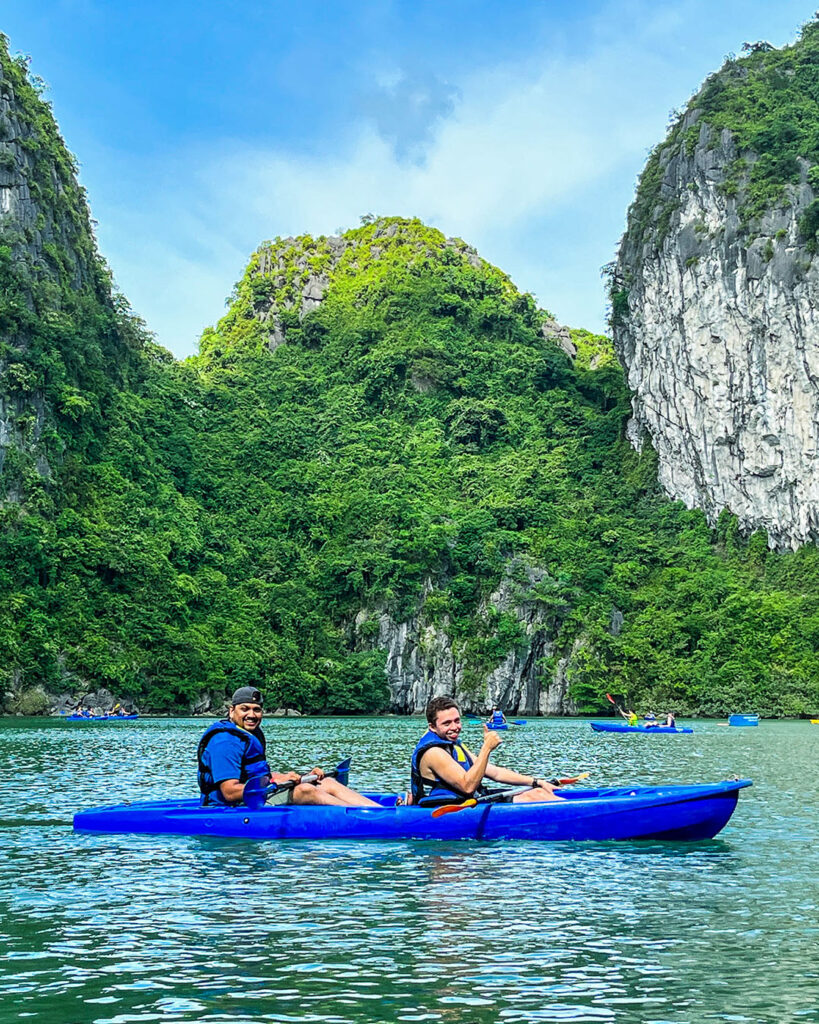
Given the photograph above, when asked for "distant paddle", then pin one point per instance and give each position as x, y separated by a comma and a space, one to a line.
257, 790
502, 797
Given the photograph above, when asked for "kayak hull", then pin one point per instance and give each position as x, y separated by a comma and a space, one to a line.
622, 727
497, 728
651, 812
743, 720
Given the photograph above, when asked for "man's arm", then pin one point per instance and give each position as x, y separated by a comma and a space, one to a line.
436, 761
497, 774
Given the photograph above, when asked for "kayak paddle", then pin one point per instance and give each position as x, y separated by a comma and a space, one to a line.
256, 790
500, 797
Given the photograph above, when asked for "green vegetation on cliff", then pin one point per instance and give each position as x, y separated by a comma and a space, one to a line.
768, 100
376, 417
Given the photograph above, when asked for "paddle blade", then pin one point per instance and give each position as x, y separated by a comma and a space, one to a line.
452, 808
568, 782
611, 699
342, 772
256, 791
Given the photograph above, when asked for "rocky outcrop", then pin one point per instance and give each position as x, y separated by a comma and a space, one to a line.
292, 275
423, 660
716, 322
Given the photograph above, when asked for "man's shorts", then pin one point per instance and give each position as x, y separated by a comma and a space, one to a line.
281, 797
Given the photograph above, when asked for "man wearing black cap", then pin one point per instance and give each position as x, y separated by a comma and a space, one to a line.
233, 750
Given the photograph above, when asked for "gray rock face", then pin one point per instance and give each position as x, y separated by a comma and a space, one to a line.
423, 661
721, 346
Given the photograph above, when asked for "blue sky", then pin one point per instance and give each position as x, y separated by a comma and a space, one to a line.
204, 127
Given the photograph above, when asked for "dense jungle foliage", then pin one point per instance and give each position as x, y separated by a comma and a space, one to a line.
210, 523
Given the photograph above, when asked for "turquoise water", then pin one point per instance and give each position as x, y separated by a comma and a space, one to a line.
110, 929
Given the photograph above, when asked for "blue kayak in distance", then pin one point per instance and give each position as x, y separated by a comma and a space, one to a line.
743, 720
100, 718
640, 812
622, 727
496, 727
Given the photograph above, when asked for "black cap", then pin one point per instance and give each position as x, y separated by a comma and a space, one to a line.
246, 695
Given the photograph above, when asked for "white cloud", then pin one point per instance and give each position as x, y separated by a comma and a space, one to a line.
552, 141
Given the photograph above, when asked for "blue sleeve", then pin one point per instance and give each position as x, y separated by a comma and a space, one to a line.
223, 756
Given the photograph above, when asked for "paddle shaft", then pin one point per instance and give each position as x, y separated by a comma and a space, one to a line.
255, 795
501, 797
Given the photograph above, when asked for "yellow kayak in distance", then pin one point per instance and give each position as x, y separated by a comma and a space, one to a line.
814, 721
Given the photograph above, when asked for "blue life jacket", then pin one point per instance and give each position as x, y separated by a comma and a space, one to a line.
438, 788
497, 718
253, 758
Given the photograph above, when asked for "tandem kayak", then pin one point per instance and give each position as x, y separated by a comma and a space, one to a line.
743, 720
640, 812
622, 727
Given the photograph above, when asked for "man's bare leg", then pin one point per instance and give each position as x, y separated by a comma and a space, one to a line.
535, 796
330, 793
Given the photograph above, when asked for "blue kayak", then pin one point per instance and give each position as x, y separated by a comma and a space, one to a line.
497, 727
743, 720
622, 727
640, 812
100, 718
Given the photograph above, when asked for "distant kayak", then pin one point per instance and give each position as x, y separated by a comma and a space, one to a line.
100, 718
639, 812
496, 727
622, 727
743, 720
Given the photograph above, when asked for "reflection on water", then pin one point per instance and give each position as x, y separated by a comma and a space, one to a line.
109, 929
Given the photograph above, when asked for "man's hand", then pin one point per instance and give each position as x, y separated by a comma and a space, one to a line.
280, 777
491, 738
319, 774
543, 784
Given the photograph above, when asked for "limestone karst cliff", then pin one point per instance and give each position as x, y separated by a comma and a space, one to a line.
391, 302
715, 296
62, 349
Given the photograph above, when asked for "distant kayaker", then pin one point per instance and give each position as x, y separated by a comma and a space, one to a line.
444, 771
630, 717
670, 720
232, 751
497, 717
